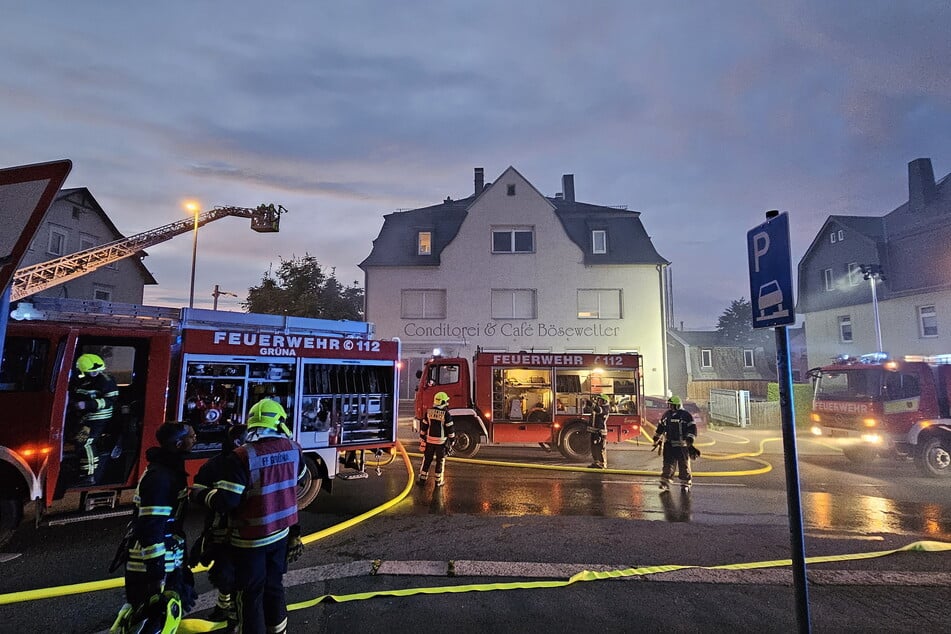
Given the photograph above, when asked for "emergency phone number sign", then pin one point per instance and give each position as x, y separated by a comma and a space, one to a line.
771, 291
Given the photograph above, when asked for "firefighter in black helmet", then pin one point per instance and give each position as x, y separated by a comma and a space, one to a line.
677, 432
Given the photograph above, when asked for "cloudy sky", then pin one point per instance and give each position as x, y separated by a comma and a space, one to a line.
701, 115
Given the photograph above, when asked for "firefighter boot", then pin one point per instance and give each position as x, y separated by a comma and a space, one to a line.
664, 485
423, 476
685, 487
440, 479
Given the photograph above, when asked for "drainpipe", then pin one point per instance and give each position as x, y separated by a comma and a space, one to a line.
661, 270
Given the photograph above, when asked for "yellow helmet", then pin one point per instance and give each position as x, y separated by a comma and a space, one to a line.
674, 400
441, 398
269, 414
89, 363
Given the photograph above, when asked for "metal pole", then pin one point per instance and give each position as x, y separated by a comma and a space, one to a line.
191, 293
793, 501
873, 280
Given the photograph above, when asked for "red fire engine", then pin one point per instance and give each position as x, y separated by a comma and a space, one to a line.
871, 406
530, 397
337, 383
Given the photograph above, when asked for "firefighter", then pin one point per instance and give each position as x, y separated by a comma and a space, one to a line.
436, 437
677, 432
258, 491
599, 433
159, 587
212, 548
93, 397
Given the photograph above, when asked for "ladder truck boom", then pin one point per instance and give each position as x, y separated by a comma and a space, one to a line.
38, 277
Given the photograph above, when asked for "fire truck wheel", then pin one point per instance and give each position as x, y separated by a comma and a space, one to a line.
575, 443
11, 513
309, 487
934, 457
860, 455
466, 444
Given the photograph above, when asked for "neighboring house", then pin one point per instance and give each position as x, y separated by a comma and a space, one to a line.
509, 269
76, 222
701, 360
905, 253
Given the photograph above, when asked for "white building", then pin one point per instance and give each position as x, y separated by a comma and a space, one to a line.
509, 269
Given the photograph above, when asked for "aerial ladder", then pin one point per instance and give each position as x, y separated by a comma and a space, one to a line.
38, 277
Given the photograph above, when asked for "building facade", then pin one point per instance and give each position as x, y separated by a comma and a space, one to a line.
701, 360
76, 222
882, 284
510, 269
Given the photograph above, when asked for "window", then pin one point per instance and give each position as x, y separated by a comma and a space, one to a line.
443, 374
747, 358
513, 303
841, 235
87, 241
900, 386
423, 303
599, 241
515, 240
855, 274
102, 293
845, 328
76, 212
832, 237
57, 243
706, 358
928, 321
510, 189
424, 243
24, 364
599, 303
827, 279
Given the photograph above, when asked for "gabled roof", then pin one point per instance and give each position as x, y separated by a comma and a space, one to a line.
710, 339
396, 243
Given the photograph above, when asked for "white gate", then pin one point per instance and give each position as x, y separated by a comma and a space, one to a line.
731, 407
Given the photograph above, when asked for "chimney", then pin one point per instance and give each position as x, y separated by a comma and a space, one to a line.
568, 187
921, 186
479, 180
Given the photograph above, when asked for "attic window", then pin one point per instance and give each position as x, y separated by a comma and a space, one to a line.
599, 241
837, 236
510, 189
76, 212
424, 243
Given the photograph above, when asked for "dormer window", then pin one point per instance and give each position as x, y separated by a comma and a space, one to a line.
424, 243
837, 236
599, 241
510, 189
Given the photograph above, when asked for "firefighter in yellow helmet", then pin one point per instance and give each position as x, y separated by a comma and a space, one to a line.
677, 432
435, 438
92, 399
258, 491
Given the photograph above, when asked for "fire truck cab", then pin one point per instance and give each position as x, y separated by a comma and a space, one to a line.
871, 406
542, 398
203, 367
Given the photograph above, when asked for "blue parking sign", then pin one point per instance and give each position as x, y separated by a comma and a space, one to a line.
771, 291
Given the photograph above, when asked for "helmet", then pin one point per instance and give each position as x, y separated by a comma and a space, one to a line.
441, 398
161, 614
89, 363
674, 400
269, 414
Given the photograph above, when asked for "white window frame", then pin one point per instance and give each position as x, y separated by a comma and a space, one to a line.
102, 293
63, 237
841, 234
594, 303
748, 358
927, 312
832, 237
706, 357
855, 274
513, 231
845, 321
827, 280
424, 243
599, 241
431, 302
513, 303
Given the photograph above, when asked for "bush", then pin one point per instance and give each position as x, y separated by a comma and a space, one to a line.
802, 401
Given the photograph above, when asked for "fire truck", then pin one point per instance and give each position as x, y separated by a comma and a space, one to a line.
530, 397
337, 383
871, 406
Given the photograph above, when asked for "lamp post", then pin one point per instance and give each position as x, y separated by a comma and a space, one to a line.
873, 273
195, 208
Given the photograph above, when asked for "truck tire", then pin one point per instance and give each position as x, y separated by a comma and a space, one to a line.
466, 444
11, 514
860, 455
309, 487
575, 443
933, 457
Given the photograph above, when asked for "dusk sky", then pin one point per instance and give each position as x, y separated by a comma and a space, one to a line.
699, 115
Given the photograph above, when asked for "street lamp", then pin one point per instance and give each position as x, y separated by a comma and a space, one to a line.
194, 208
873, 273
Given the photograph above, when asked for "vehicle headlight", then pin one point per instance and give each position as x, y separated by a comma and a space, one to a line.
872, 439
816, 430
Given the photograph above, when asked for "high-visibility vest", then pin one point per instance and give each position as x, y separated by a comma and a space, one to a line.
270, 505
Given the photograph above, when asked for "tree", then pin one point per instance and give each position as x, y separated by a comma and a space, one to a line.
735, 324
300, 288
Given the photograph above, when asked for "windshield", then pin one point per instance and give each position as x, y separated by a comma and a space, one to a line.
850, 385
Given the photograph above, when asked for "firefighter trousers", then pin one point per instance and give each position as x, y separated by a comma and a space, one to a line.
676, 457
433, 453
259, 581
